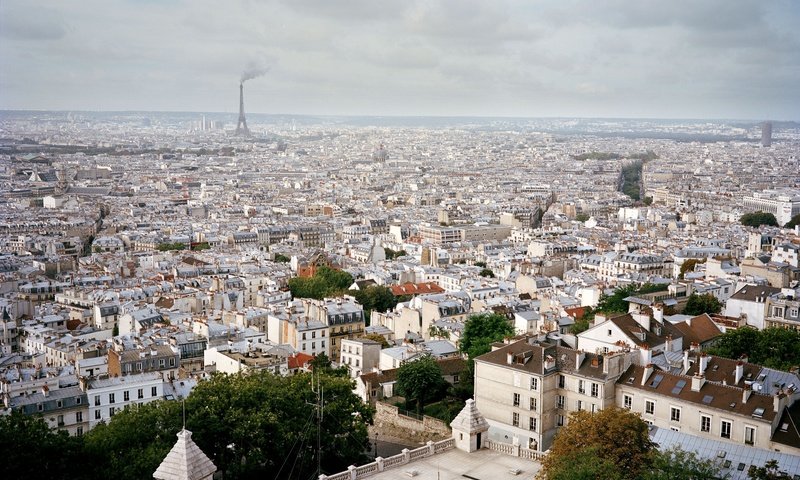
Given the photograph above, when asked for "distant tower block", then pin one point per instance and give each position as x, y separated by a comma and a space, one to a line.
241, 126
766, 134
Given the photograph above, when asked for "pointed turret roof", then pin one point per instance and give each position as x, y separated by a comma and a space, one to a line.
469, 419
185, 461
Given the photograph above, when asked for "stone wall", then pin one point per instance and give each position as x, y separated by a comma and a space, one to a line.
389, 419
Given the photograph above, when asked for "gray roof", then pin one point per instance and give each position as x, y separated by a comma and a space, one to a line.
185, 461
735, 453
469, 419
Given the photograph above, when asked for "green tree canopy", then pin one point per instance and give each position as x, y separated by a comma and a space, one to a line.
392, 254
420, 380
327, 282
793, 222
678, 464
756, 219
615, 435
248, 424
615, 303
584, 464
481, 330
772, 347
770, 471
487, 272
376, 337
375, 297
35, 451
699, 304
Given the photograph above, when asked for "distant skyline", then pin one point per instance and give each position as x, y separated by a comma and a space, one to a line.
520, 58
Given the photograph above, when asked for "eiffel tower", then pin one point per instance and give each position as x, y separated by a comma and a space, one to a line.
241, 126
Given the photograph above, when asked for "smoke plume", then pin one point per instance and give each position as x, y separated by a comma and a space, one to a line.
253, 70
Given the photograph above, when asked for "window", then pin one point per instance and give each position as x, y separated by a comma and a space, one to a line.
609, 332
313, 345
675, 414
97, 400
749, 435
78, 416
111, 412
532, 424
515, 419
61, 420
77, 400
516, 399
304, 335
560, 401
705, 423
304, 347
595, 389
126, 396
153, 391
455, 379
534, 383
580, 405
627, 401
649, 406
314, 334
171, 362
79, 431
581, 387
562, 380
533, 404
322, 344
110, 398
59, 404
725, 430
559, 420
97, 414
140, 393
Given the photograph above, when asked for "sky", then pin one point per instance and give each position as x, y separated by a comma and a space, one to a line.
721, 59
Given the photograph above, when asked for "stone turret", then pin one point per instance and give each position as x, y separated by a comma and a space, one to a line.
469, 428
185, 461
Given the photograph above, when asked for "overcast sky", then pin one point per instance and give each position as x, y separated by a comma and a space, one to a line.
611, 58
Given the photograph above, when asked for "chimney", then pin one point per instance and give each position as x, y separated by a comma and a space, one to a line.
509, 358
694, 346
645, 355
658, 312
642, 319
703, 363
739, 372
697, 382
579, 359
778, 402
668, 343
45, 391
744, 358
746, 391
648, 370
685, 362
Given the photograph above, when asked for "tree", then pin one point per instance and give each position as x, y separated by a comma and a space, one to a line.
327, 282
585, 464
480, 264
581, 217
420, 380
678, 464
773, 347
756, 219
486, 272
481, 330
793, 221
35, 451
688, 265
615, 303
376, 337
248, 424
768, 472
375, 297
438, 332
392, 254
700, 304
582, 324
281, 258
614, 435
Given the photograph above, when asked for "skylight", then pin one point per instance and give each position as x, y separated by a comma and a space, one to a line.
678, 387
708, 399
656, 381
758, 412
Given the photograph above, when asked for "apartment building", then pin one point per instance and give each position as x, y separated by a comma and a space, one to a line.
527, 388
343, 316
108, 396
702, 408
360, 355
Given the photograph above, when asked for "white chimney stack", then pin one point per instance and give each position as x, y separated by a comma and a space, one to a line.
739, 372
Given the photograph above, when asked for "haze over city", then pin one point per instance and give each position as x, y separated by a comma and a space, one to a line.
655, 59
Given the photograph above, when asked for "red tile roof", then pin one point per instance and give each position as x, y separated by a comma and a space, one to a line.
416, 288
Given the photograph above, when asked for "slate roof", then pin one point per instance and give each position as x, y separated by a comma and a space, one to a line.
185, 461
469, 419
